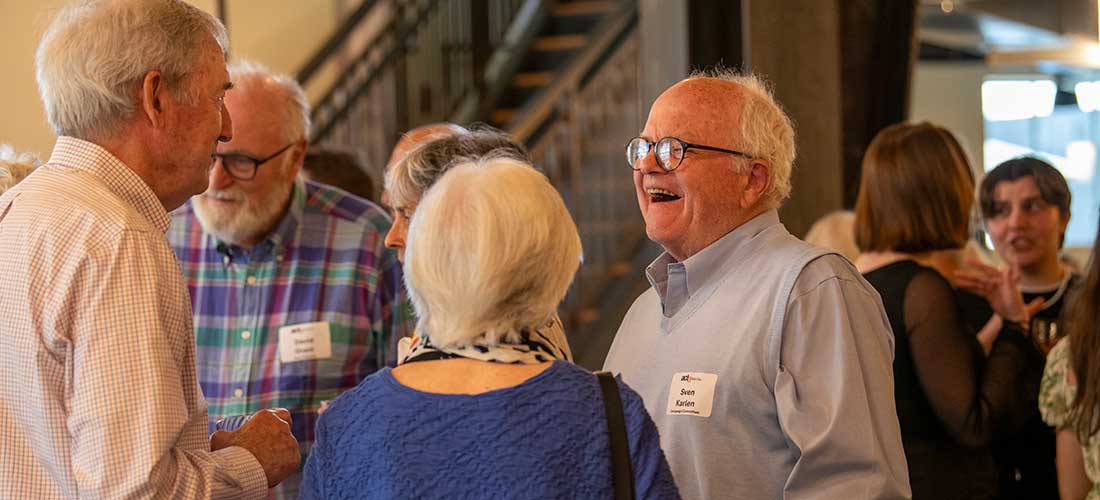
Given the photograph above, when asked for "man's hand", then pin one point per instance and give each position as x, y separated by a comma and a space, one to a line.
266, 435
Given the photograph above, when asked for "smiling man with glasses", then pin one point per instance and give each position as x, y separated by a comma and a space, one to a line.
764, 361
296, 297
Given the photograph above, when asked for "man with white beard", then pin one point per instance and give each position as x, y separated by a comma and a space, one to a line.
296, 297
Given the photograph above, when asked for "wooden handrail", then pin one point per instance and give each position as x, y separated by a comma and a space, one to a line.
334, 42
534, 114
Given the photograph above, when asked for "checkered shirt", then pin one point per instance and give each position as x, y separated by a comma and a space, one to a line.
98, 397
325, 261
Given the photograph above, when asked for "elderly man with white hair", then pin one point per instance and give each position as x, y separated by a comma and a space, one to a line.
766, 362
99, 397
296, 297
487, 411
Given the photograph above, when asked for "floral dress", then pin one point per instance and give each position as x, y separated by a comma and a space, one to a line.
1055, 397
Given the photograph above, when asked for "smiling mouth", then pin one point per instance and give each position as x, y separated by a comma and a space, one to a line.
658, 195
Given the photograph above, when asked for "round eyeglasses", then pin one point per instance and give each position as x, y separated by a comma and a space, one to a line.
243, 167
669, 152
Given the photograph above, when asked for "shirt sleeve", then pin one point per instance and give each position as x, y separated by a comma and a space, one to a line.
975, 399
834, 392
128, 408
1055, 393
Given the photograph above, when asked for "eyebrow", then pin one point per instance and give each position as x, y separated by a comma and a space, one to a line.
1037, 197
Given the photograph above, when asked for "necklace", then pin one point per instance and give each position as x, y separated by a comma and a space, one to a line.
1059, 292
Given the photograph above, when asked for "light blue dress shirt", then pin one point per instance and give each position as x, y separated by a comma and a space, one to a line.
802, 352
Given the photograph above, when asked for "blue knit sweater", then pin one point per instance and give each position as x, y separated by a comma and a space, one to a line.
544, 438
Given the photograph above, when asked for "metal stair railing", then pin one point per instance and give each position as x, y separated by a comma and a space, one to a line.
423, 61
428, 62
577, 129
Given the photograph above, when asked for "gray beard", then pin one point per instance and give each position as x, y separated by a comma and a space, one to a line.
255, 217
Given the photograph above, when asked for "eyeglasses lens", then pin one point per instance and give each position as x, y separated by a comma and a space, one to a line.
636, 151
239, 166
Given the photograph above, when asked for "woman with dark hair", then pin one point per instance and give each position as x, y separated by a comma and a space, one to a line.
952, 399
1025, 205
1070, 395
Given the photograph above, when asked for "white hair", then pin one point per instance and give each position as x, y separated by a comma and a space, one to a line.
95, 53
15, 167
296, 112
491, 250
766, 132
408, 179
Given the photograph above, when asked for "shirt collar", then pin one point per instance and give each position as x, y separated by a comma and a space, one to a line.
85, 156
703, 267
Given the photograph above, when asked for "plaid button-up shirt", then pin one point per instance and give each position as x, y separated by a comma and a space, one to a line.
98, 397
324, 262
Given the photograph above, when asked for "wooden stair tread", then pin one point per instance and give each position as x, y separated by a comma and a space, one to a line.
533, 79
583, 8
559, 42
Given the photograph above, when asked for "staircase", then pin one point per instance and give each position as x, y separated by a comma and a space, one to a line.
561, 77
563, 35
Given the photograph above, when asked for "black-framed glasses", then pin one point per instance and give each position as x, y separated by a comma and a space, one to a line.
669, 151
243, 167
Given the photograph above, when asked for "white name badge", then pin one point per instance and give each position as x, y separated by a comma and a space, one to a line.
304, 342
692, 394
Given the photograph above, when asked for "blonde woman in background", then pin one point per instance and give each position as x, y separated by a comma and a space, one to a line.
15, 167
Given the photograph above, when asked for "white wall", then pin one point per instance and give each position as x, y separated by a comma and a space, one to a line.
24, 124
281, 34
949, 94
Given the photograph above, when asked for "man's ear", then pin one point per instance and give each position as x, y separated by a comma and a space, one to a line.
297, 157
756, 184
154, 90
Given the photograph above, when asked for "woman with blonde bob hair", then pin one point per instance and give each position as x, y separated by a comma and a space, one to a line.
952, 399
408, 180
485, 413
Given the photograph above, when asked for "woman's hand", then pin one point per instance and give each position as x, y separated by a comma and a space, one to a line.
998, 287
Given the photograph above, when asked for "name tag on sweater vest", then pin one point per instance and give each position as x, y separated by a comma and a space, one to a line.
692, 394
304, 342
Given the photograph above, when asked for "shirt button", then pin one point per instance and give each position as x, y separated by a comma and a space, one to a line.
246, 335
238, 393
251, 280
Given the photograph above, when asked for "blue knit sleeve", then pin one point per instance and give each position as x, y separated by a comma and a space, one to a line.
652, 476
313, 476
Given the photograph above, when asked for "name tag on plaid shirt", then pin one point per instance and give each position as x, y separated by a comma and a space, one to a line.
304, 342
